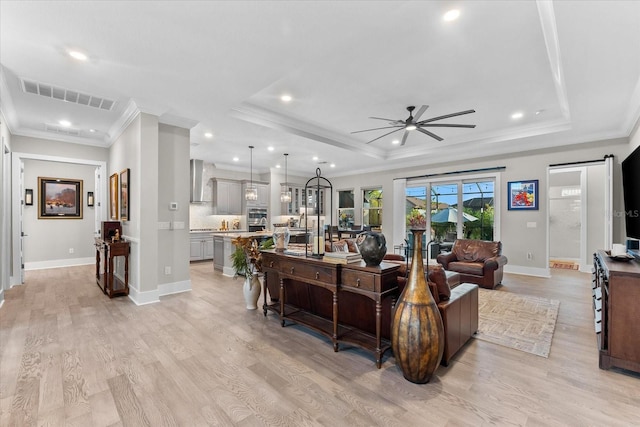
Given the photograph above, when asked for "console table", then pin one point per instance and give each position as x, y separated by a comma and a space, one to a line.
336, 300
110, 284
616, 292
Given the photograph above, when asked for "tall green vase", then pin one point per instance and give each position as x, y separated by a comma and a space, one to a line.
417, 334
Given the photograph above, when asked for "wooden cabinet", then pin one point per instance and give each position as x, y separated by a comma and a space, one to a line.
201, 246
107, 280
218, 253
264, 195
309, 291
616, 292
227, 197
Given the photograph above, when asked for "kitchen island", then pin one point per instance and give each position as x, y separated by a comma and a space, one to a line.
223, 248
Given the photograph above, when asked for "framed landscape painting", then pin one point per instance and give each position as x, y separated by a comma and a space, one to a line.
113, 196
60, 198
523, 195
124, 195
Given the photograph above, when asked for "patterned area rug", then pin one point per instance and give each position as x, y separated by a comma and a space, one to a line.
521, 322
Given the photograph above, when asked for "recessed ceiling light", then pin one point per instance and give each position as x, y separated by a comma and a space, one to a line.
395, 142
235, 159
92, 130
517, 115
270, 148
451, 15
65, 123
315, 158
286, 98
278, 166
332, 165
77, 55
208, 135
539, 112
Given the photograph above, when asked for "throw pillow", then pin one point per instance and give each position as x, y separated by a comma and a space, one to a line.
438, 276
340, 246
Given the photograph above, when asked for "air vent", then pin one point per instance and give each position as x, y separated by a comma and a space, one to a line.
61, 130
66, 95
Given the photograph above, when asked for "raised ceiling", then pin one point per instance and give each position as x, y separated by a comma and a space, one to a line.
571, 68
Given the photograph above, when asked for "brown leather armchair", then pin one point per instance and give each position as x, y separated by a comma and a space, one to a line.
477, 261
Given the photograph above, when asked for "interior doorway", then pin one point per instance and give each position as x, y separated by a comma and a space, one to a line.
579, 203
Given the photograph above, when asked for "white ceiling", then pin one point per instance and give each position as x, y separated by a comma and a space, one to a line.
221, 67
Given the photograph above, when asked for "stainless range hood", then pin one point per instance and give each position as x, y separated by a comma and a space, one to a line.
197, 167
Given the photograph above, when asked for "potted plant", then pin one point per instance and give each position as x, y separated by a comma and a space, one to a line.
247, 261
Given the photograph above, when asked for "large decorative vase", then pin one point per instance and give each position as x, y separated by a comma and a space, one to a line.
251, 291
372, 247
417, 334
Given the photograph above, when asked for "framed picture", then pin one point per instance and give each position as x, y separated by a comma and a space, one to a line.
113, 196
124, 195
60, 198
523, 195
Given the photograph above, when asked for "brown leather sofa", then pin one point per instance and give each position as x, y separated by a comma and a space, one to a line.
457, 302
477, 261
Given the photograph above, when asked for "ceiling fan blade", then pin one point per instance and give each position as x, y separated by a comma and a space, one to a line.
404, 137
367, 130
446, 125
389, 133
388, 120
420, 112
426, 132
446, 116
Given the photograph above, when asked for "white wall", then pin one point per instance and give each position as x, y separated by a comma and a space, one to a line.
516, 237
5, 205
51, 239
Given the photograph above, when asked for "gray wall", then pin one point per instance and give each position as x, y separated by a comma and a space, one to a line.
5, 208
173, 183
52, 239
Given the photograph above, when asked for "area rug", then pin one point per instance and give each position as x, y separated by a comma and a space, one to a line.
521, 322
567, 265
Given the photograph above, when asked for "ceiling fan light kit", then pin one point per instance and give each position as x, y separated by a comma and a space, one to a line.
412, 123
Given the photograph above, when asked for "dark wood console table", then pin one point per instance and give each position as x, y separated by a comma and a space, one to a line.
310, 292
110, 284
616, 293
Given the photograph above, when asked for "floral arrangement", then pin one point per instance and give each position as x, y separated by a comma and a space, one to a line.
246, 259
416, 219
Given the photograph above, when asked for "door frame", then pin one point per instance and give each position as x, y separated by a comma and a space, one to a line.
17, 159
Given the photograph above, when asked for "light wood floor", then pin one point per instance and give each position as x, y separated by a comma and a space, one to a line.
71, 356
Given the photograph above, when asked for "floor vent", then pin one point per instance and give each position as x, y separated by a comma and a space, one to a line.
66, 95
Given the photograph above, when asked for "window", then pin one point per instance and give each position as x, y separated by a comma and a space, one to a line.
346, 209
477, 197
372, 208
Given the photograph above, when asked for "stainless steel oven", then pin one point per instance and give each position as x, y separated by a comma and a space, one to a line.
257, 219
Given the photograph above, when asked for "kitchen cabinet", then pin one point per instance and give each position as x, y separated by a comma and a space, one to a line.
201, 246
227, 197
218, 253
263, 195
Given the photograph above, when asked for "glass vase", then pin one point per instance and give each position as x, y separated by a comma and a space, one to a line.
281, 236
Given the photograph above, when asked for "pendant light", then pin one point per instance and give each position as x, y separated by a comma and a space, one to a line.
285, 194
251, 192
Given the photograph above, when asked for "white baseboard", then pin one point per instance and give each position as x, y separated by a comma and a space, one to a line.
228, 271
174, 288
527, 271
150, 297
58, 263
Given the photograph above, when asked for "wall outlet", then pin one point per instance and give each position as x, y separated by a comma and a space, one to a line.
529, 256
71, 250
167, 270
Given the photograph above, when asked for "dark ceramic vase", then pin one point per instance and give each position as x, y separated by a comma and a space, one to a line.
417, 333
372, 247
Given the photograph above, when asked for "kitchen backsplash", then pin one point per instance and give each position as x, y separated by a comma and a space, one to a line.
200, 216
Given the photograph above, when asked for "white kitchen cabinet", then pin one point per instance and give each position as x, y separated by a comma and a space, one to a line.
227, 197
263, 195
201, 247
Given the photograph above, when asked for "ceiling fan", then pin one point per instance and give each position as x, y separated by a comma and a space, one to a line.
413, 123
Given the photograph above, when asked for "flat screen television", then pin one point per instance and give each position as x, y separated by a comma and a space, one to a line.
631, 191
